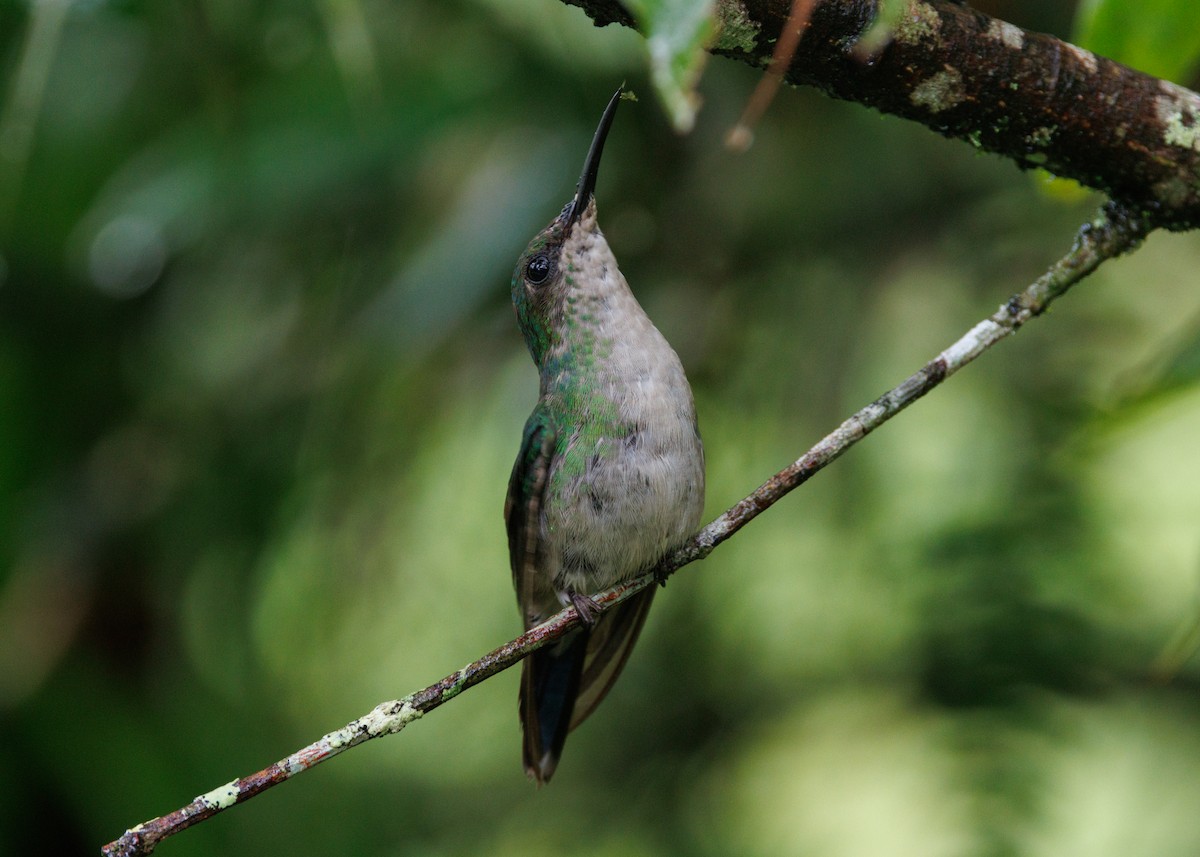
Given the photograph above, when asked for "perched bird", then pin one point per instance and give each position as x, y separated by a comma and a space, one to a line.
610, 474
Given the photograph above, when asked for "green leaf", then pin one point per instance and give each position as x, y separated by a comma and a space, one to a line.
1160, 37
676, 33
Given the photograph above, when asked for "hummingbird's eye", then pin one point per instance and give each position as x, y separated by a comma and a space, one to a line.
538, 269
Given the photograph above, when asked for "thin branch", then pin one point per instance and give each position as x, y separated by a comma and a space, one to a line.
1029, 97
1112, 233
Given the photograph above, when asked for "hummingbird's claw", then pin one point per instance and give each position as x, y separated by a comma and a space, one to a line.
585, 606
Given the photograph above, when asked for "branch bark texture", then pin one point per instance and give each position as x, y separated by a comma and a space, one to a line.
1114, 232
1029, 97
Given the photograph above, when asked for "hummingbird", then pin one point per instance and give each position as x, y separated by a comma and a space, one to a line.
610, 473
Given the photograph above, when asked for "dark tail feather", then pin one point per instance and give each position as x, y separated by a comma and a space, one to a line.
549, 684
562, 685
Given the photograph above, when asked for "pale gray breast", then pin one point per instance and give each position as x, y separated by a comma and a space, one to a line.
644, 495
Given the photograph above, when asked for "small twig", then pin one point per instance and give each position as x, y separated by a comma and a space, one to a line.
1114, 232
742, 134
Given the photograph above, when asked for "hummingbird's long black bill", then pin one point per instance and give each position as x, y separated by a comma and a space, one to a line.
587, 180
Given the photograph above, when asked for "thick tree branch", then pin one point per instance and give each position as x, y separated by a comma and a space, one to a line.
1114, 232
1037, 100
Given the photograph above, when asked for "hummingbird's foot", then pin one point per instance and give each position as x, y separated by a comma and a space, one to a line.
585, 606
660, 576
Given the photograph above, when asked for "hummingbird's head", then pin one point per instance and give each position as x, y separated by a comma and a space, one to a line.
543, 275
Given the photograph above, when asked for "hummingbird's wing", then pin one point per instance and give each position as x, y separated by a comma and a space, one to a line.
561, 684
549, 676
523, 506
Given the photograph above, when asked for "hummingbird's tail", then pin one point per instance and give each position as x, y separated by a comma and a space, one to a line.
549, 684
562, 684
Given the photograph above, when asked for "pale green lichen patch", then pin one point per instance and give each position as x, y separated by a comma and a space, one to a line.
940, 92
1179, 112
221, 797
385, 718
736, 31
972, 345
340, 739
1012, 36
919, 22
1041, 136
1174, 192
388, 717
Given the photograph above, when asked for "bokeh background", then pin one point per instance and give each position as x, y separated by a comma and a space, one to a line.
261, 387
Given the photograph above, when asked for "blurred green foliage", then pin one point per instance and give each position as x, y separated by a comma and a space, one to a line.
1161, 37
260, 388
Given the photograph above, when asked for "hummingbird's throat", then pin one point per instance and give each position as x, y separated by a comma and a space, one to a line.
576, 221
